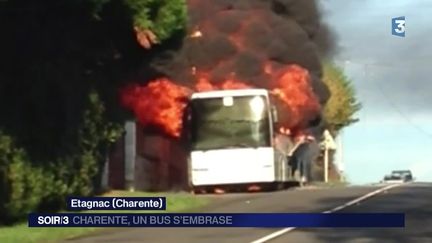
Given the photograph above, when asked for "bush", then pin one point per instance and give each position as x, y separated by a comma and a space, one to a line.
79, 174
22, 185
95, 136
26, 188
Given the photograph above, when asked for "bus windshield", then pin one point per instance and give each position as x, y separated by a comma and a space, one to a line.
230, 122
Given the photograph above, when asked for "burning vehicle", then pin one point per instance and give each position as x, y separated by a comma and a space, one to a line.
231, 140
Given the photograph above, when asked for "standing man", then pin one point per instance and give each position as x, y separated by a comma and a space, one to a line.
304, 156
297, 157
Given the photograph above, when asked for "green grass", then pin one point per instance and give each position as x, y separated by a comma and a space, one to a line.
20, 233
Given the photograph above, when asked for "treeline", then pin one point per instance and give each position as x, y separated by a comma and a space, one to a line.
61, 65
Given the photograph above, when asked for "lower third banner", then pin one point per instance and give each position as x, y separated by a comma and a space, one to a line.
217, 220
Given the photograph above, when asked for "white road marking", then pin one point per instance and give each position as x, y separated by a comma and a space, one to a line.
350, 203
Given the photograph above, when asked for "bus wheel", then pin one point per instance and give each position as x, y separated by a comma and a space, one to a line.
217, 190
254, 188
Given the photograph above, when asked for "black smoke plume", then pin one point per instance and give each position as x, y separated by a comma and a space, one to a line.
241, 36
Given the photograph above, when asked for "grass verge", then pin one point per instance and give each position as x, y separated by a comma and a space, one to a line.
21, 233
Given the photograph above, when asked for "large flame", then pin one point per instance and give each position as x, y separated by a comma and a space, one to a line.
161, 103
204, 84
293, 88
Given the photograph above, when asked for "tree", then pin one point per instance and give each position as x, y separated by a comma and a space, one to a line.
340, 109
153, 21
69, 48
61, 64
156, 20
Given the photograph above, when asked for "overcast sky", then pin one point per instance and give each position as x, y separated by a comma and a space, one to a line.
392, 78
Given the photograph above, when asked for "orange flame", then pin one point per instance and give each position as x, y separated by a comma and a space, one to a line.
160, 103
285, 131
204, 84
294, 89
196, 34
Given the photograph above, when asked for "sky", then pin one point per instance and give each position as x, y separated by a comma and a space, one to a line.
391, 77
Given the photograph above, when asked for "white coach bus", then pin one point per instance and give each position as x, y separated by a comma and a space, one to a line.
231, 141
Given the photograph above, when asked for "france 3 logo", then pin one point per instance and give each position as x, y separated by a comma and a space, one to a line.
398, 26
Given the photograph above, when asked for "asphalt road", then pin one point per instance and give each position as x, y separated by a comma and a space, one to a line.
413, 199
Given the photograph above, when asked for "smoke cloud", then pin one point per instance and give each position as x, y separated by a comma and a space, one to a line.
242, 36
271, 44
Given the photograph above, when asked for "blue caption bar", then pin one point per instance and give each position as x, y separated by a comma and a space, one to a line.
116, 203
272, 220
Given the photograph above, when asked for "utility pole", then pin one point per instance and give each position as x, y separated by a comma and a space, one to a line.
130, 154
326, 163
340, 155
329, 144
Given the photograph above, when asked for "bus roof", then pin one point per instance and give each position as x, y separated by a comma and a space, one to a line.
231, 92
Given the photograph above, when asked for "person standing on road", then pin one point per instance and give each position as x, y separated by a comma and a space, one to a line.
304, 156
297, 157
